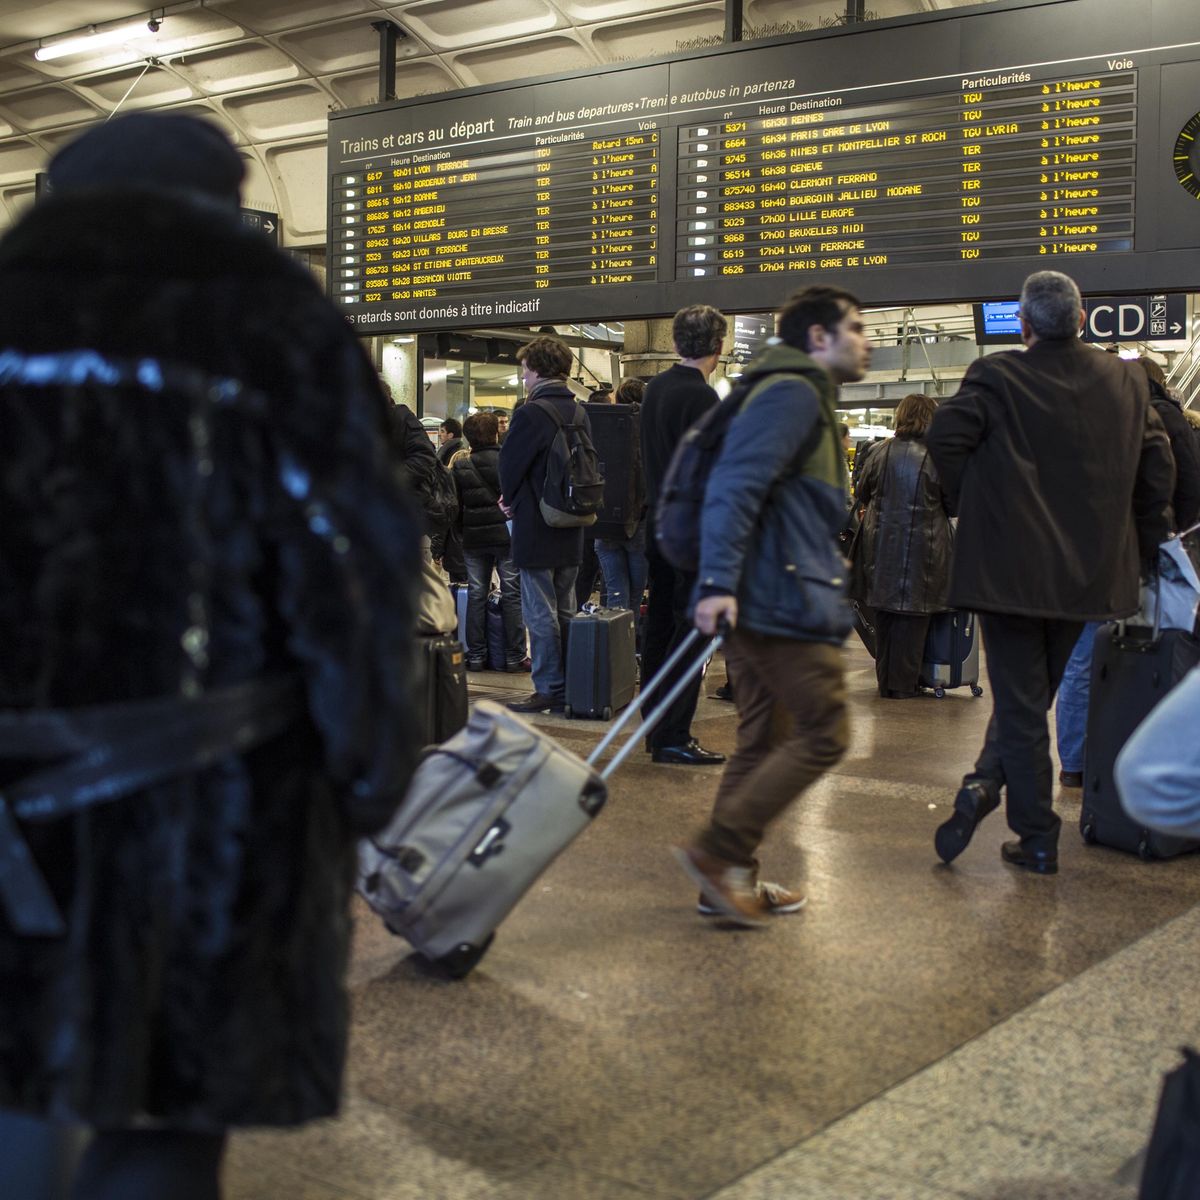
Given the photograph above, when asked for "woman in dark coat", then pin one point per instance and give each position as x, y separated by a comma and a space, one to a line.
904, 547
176, 546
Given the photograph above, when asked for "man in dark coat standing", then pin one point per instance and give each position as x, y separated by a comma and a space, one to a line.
548, 558
239, 554
1061, 475
672, 403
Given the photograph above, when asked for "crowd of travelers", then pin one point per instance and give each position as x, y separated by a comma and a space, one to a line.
212, 558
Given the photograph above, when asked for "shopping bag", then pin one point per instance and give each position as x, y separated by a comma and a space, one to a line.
1170, 597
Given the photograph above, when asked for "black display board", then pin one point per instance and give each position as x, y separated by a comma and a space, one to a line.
927, 159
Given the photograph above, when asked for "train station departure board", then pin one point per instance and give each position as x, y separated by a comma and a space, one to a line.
735, 176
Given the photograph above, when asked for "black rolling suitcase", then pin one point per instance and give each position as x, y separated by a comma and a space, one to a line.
494, 633
951, 656
1131, 672
617, 436
443, 709
601, 662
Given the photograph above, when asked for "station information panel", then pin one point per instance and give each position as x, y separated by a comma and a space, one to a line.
690, 180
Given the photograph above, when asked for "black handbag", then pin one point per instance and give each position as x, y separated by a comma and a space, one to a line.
1172, 1170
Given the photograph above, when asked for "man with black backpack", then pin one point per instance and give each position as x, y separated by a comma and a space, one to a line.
552, 488
770, 570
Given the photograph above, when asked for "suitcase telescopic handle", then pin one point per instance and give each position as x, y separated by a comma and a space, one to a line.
652, 718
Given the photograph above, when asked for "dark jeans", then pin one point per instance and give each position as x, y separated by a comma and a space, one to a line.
900, 646
1026, 659
792, 727
666, 626
548, 602
589, 572
623, 564
480, 564
125, 1164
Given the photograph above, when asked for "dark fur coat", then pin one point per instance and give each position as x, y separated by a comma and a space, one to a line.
200, 981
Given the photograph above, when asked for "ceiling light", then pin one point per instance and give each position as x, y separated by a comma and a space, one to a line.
95, 38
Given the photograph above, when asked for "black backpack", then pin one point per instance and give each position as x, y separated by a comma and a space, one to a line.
573, 491
434, 488
681, 497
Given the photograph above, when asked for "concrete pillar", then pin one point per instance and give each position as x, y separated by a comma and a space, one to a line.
398, 366
650, 349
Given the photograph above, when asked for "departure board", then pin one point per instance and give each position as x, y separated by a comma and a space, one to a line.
636, 190
1011, 170
506, 219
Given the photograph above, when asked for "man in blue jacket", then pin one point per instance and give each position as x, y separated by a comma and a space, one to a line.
770, 569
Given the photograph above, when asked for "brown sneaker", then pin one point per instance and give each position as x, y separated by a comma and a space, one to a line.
730, 889
773, 899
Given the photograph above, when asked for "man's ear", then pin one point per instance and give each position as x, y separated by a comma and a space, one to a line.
818, 338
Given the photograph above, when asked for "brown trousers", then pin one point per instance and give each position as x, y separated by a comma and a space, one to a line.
792, 727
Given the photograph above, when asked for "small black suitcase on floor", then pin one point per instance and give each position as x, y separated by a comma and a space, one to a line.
494, 630
616, 434
601, 662
1131, 673
443, 710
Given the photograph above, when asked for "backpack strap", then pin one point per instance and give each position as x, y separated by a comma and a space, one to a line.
819, 425
545, 406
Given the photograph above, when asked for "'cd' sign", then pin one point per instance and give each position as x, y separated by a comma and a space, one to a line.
1135, 318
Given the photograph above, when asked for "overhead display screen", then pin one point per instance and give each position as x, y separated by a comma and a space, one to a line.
637, 190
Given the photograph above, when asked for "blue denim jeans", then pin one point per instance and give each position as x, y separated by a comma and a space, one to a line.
548, 602
1071, 707
623, 562
480, 564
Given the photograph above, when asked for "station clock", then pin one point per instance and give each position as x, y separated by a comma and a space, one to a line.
1186, 158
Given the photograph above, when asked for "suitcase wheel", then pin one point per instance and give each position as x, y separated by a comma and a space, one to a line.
1088, 830
940, 693
606, 713
568, 711
463, 959
1143, 849
976, 690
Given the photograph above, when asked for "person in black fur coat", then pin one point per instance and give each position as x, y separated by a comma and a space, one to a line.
155, 553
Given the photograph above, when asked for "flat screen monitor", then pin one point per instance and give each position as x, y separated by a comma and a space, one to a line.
997, 324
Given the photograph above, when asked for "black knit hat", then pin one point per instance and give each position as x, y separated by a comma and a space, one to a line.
160, 150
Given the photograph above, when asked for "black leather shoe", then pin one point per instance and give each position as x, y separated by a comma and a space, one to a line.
690, 754
974, 801
1071, 779
1040, 862
537, 703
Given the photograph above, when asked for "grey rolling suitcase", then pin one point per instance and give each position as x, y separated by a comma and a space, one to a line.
486, 813
601, 668
951, 657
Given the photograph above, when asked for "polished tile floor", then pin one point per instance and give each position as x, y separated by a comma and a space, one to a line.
919, 1032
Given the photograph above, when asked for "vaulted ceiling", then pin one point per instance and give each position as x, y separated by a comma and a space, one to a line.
270, 71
